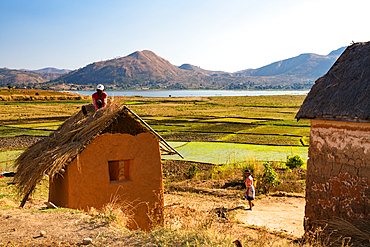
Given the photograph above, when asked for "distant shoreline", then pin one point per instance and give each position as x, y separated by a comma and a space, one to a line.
198, 93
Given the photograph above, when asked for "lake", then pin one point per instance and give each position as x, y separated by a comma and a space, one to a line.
194, 93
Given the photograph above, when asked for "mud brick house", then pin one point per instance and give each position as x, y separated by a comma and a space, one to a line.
338, 168
106, 156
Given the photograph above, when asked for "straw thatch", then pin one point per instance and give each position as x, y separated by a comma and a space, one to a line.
50, 155
344, 91
340, 231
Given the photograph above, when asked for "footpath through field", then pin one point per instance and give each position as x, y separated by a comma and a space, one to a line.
277, 213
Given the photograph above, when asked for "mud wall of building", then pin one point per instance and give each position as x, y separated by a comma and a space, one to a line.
90, 184
57, 189
338, 172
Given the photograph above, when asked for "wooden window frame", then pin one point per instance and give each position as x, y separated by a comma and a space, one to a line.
120, 170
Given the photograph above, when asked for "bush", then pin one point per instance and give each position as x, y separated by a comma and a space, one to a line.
294, 161
268, 178
192, 171
224, 171
252, 165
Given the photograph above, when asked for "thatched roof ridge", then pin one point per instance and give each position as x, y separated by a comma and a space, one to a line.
343, 93
50, 155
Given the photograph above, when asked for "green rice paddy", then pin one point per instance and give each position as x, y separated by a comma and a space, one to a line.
223, 153
7, 158
35, 129
215, 129
209, 152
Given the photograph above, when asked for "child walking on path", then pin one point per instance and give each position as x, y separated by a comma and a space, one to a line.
250, 194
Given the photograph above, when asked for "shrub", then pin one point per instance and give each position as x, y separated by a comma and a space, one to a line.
252, 165
192, 171
294, 161
268, 178
224, 171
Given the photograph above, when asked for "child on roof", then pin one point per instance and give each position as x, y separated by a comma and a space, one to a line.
99, 97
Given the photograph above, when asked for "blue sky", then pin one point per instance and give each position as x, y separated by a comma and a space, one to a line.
223, 35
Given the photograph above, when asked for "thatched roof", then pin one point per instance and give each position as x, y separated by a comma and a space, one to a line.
50, 155
343, 93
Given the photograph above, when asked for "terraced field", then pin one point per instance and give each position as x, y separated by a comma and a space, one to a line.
265, 122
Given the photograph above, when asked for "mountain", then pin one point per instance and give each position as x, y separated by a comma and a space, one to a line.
145, 70
139, 70
25, 77
338, 51
50, 73
18, 77
308, 65
50, 70
190, 67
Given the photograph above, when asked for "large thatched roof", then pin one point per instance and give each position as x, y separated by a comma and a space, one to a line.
343, 93
50, 155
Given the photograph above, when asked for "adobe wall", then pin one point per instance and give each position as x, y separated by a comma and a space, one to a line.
89, 183
338, 172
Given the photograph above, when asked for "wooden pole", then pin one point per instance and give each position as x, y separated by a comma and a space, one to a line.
153, 131
26, 196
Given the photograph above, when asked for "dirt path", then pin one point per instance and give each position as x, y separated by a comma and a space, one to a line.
277, 213
182, 210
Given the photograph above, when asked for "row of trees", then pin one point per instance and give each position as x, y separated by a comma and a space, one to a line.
122, 83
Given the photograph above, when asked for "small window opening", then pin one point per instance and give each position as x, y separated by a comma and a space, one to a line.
119, 170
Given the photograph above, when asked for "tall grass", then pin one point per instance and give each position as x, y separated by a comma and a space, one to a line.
117, 213
7, 159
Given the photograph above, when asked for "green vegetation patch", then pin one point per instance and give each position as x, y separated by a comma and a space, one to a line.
48, 126
305, 140
264, 140
10, 132
7, 189
138, 102
171, 127
29, 129
221, 153
234, 120
199, 137
221, 127
279, 130
262, 101
7, 159
300, 123
171, 119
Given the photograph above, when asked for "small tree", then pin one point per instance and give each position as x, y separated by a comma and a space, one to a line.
268, 178
10, 87
294, 161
